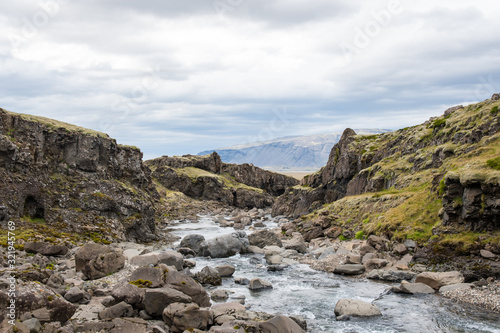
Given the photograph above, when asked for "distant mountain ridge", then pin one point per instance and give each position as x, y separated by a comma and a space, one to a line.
291, 152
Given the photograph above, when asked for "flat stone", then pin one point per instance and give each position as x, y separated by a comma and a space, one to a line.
356, 308
487, 254
413, 288
349, 269
145, 260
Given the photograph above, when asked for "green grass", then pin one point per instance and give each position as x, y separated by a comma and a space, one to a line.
360, 234
494, 163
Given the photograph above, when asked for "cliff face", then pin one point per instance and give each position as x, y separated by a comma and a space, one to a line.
207, 178
73, 179
440, 179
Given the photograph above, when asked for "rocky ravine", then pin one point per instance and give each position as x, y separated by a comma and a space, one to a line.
437, 183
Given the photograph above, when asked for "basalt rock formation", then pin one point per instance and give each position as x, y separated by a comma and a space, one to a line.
74, 180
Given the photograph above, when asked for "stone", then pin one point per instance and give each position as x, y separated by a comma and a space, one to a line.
121, 309
275, 259
150, 277
356, 308
366, 249
437, 280
353, 259
129, 325
108, 301
297, 243
46, 249
264, 238
74, 294
97, 261
188, 286
156, 300
185, 251
225, 246
258, 284
280, 324
208, 275
375, 264
187, 263
39, 301
218, 295
128, 293
349, 269
333, 232
145, 260
181, 316
487, 254
241, 280
390, 275
172, 258
377, 242
227, 308
413, 288
226, 270
33, 325
410, 244
400, 249
456, 286
192, 242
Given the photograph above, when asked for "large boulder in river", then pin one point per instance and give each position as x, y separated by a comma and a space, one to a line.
225, 246
97, 260
181, 317
356, 308
264, 238
32, 297
188, 286
192, 242
436, 280
280, 324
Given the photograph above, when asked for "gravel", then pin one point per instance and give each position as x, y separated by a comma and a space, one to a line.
487, 297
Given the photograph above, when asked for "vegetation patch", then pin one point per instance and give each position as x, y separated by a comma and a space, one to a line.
494, 163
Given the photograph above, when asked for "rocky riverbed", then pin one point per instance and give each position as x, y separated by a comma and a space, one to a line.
242, 271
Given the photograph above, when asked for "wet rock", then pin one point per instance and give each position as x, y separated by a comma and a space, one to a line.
40, 301
128, 293
356, 308
413, 288
225, 246
258, 284
280, 324
242, 281
208, 275
391, 275
150, 277
264, 238
226, 270
97, 261
188, 263
172, 258
156, 300
145, 260
46, 249
180, 317
349, 269
121, 309
188, 286
437, 280
192, 242
74, 295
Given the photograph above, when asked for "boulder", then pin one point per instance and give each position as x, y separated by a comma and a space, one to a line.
413, 288
410, 244
145, 260
227, 308
121, 309
349, 269
188, 286
333, 232
226, 270
39, 301
172, 258
297, 243
128, 293
487, 254
181, 317
150, 277
377, 242
74, 294
391, 275
457, 286
225, 246
97, 261
375, 264
192, 242
356, 308
280, 324
242, 281
33, 325
400, 249
437, 280
156, 300
258, 284
218, 295
46, 249
208, 275
264, 238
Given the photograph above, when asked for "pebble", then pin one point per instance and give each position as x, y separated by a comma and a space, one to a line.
487, 297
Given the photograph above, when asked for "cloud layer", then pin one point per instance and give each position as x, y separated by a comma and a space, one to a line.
184, 76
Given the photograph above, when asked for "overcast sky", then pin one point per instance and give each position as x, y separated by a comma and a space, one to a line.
182, 76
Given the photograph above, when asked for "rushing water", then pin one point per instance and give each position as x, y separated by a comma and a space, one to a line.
302, 291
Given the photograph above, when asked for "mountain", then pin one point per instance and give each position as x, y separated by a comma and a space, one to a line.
291, 152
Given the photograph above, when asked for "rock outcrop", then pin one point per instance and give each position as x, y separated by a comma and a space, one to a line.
73, 179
